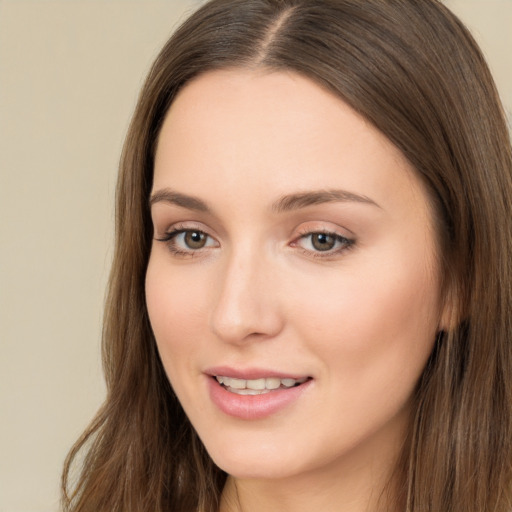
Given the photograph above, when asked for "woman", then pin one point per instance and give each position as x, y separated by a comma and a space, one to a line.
309, 306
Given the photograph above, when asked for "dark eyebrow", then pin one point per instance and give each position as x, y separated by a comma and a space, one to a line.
304, 199
167, 195
283, 204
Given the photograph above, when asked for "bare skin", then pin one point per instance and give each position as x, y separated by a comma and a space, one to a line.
291, 238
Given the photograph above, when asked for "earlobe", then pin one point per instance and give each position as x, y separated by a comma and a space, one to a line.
450, 313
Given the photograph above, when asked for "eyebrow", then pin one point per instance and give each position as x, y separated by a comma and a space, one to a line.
167, 195
286, 203
304, 199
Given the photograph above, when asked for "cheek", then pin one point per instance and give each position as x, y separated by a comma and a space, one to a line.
377, 323
175, 305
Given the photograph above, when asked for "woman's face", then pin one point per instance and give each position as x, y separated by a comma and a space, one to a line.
293, 284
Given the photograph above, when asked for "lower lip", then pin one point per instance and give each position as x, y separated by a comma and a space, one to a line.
253, 407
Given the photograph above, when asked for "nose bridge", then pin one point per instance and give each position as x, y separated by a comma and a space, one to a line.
245, 303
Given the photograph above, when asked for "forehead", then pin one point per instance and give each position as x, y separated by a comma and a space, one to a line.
247, 132
239, 100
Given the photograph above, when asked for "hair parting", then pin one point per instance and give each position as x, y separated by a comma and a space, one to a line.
411, 69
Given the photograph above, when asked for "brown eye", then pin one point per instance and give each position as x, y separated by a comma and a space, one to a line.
187, 242
195, 239
323, 241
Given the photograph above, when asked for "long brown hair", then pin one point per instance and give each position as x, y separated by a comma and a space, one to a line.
412, 69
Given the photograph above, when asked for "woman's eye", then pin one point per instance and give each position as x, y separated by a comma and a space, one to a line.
323, 241
193, 239
186, 241
320, 242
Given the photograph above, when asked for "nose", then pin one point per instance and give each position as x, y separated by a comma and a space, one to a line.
247, 301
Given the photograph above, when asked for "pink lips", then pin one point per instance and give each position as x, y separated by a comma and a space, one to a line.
252, 407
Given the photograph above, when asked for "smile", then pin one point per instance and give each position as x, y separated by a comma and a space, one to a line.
257, 386
257, 397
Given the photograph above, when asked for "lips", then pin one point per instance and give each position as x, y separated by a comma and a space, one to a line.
254, 394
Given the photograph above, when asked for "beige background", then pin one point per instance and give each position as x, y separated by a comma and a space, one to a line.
70, 71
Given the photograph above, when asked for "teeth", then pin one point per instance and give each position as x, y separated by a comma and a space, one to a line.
250, 391
235, 383
257, 386
272, 383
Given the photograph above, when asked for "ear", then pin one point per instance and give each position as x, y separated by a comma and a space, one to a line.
450, 314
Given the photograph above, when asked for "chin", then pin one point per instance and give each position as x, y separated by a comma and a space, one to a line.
254, 460
255, 469
279, 466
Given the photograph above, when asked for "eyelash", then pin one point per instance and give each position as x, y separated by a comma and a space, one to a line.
169, 239
346, 243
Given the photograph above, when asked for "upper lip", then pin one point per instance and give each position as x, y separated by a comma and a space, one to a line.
251, 373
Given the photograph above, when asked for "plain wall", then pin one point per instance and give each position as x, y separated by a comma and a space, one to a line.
70, 72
